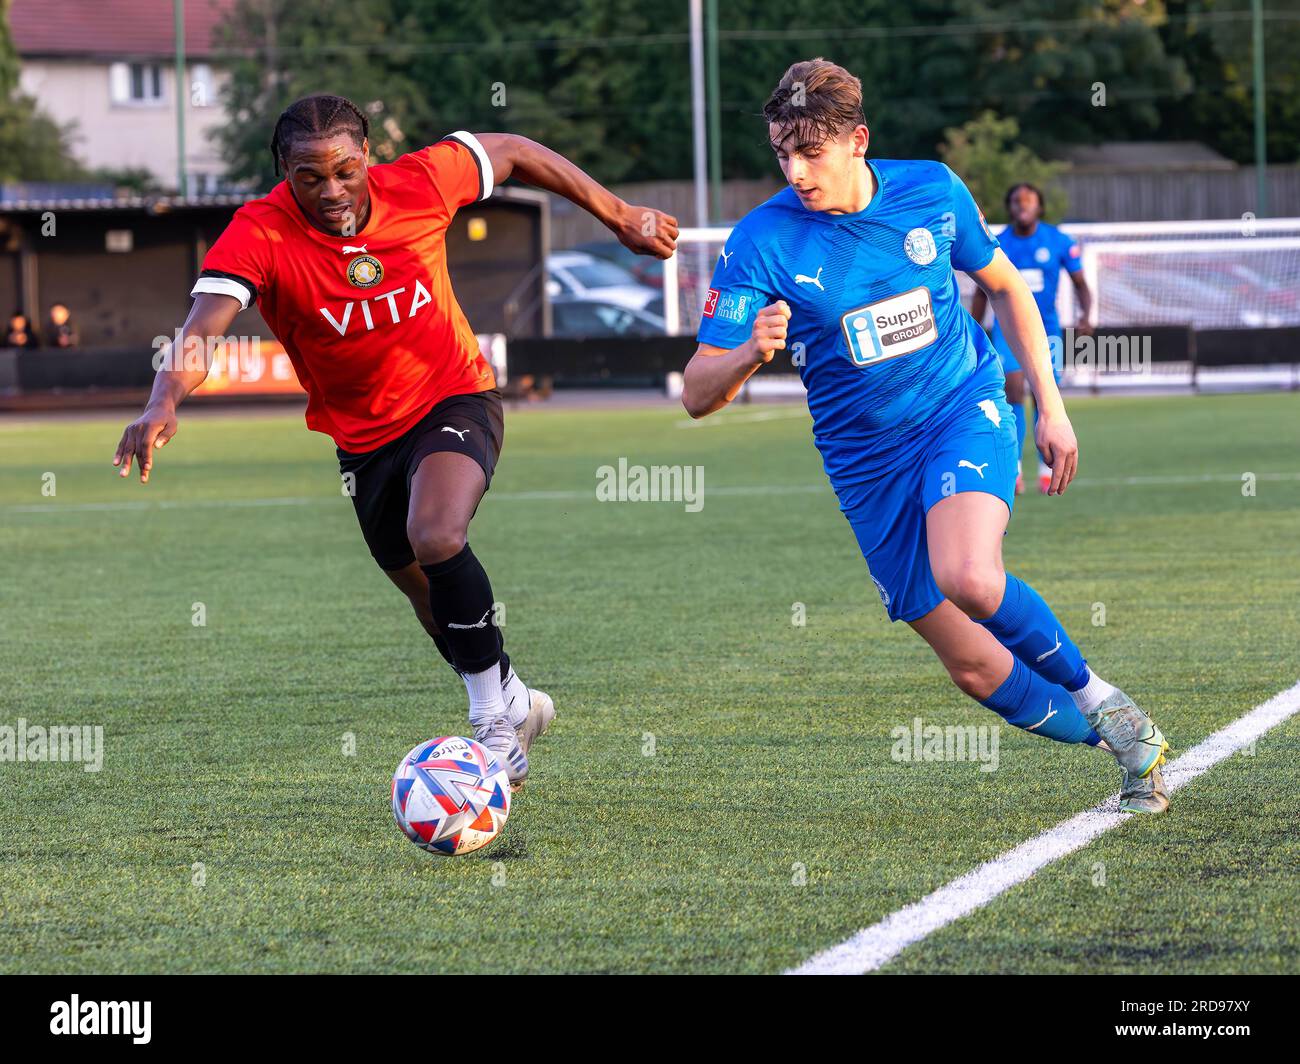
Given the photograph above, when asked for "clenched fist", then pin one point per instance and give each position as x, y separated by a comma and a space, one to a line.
768, 334
646, 231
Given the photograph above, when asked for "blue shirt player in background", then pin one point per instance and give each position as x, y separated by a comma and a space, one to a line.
1040, 252
850, 269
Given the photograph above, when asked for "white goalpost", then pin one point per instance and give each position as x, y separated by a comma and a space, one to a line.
698, 250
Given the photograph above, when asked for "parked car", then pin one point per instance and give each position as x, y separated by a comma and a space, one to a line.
579, 275
694, 266
647, 270
600, 317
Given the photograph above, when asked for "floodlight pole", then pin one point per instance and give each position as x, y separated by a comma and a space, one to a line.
715, 114
178, 10
697, 114
1261, 132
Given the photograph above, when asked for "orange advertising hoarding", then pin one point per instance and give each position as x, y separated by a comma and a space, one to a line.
253, 366
250, 366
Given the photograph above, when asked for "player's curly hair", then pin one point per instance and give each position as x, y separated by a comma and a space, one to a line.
317, 116
1042, 200
814, 101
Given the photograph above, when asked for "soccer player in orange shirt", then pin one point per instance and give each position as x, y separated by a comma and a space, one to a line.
347, 263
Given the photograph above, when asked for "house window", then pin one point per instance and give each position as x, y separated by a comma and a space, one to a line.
202, 93
202, 184
136, 83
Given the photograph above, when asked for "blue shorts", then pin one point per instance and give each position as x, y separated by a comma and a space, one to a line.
1010, 364
973, 451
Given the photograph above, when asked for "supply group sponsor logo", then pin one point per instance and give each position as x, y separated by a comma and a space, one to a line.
890, 327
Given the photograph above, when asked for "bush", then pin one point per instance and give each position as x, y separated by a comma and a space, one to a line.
985, 155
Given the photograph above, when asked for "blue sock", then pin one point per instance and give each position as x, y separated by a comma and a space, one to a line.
1027, 627
1027, 701
1019, 410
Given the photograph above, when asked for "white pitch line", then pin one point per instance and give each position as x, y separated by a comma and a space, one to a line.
535, 496
875, 946
156, 504
304, 500
1180, 478
743, 418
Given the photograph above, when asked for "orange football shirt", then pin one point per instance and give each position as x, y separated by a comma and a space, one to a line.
369, 321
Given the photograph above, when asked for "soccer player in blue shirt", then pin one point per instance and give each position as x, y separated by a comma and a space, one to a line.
850, 269
1040, 252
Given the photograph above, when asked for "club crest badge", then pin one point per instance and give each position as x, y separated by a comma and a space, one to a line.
884, 594
365, 271
920, 247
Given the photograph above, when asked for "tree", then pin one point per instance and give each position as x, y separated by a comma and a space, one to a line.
1073, 71
607, 82
33, 147
283, 51
930, 65
986, 154
1213, 39
137, 180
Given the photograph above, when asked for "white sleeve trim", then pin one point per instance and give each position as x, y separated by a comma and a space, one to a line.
486, 179
222, 286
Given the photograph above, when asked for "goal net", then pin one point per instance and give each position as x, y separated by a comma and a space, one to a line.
1207, 275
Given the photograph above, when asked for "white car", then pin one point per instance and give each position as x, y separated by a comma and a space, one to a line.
578, 275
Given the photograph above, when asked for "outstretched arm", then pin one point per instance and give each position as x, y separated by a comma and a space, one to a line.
182, 366
645, 230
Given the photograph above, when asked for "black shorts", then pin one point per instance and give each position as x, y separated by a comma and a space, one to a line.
380, 480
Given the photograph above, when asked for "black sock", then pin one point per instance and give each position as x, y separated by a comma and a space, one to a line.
440, 641
460, 598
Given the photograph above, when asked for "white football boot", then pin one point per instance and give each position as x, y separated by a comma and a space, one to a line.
500, 737
529, 713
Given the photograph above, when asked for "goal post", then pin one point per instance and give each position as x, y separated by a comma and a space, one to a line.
689, 267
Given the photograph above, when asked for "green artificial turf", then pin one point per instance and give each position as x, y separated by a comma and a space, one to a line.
718, 793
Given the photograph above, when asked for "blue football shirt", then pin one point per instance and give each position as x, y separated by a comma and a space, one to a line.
1040, 257
877, 330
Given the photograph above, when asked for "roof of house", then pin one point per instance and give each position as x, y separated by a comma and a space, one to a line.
149, 204
1136, 156
163, 204
123, 29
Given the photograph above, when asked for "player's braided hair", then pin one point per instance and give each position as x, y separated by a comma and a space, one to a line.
814, 101
316, 116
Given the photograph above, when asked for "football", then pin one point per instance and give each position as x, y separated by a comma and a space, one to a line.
451, 796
